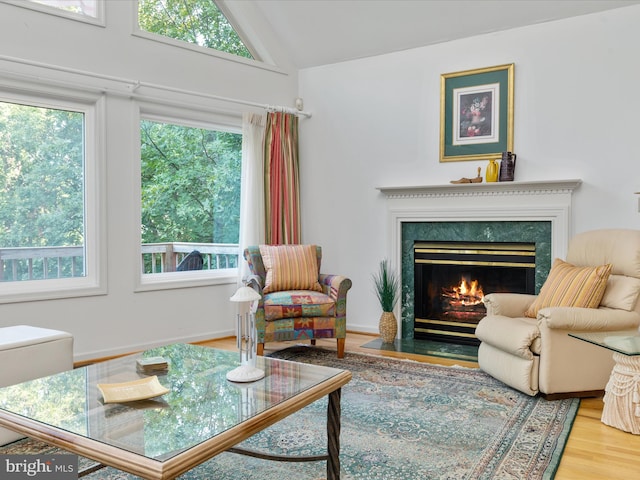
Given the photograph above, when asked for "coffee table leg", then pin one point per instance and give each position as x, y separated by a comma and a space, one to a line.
333, 435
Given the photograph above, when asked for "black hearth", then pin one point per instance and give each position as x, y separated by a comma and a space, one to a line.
451, 279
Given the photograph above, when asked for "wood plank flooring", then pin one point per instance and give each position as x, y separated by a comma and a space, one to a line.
594, 451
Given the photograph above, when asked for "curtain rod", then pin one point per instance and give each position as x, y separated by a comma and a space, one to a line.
269, 108
133, 85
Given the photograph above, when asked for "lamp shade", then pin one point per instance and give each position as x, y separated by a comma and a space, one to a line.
245, 294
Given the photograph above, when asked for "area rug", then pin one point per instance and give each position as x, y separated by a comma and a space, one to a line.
401, 420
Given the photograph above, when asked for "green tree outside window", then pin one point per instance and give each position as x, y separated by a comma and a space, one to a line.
199, 22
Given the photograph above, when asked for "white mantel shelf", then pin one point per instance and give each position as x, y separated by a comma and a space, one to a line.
542, 187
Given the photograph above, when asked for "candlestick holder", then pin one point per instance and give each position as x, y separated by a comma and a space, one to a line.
247, 298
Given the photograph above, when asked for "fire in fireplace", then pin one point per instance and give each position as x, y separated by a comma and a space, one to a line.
451, 279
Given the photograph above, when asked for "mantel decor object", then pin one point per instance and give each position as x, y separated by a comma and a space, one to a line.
476, 179
247, 298
491, 173
476, 113
508, 167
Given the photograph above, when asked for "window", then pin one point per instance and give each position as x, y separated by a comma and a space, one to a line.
49, 211
90, 11
190, 195
88, 8
197, 22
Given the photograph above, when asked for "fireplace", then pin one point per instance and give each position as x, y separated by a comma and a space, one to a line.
451, 279
538, 212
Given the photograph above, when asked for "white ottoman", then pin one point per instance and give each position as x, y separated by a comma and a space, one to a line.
27, 353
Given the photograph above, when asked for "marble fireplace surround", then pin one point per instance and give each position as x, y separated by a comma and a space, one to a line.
486, 204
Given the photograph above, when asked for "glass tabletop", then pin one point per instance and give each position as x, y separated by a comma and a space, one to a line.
200, 403
626, 342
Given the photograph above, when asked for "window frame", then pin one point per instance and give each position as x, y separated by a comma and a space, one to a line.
207, 119
257, 60
98, 20
95, 280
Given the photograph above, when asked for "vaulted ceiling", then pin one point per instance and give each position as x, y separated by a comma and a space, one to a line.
320, 32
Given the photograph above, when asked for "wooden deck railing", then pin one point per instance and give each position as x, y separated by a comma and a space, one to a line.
40, 263
63, 262
165, 257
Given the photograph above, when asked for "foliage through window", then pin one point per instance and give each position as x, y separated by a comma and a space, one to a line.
199, 22
190, 195
87, 8
41, 193
86, 11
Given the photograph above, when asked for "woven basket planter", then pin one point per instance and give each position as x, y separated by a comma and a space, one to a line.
388, 327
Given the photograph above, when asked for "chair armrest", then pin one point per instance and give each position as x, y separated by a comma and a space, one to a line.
587, 319
336, 286
508, 304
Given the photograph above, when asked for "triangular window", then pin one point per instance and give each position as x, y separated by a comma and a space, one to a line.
198, 22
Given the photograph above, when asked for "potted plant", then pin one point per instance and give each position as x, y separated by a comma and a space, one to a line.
387, 286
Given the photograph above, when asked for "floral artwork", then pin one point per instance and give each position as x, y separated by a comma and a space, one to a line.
476, 114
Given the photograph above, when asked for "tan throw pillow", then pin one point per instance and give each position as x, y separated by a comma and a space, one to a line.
621, 292
571, 286
290, 267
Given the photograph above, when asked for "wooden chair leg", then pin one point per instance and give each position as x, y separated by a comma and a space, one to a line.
341, 347
260, 349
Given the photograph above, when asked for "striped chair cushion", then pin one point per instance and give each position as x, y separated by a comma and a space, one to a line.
297, 304
290, 267
571, 286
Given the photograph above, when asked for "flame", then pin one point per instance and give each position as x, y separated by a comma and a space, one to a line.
471, 290
467, 292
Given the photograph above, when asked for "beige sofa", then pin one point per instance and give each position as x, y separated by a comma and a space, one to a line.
537, 354
27, 353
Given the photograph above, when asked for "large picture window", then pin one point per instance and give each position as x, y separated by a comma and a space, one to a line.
190, 197
49, 211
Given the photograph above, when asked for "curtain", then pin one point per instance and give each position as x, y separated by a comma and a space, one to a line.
251, 187
281, 179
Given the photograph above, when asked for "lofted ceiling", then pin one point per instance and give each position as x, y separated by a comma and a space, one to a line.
320, 32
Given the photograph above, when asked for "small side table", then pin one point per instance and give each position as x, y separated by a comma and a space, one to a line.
622, 393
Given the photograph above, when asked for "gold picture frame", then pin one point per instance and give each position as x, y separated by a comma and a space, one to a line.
476, 113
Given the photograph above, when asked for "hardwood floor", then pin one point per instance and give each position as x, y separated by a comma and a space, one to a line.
594, 451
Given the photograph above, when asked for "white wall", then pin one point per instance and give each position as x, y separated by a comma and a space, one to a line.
123, 320
376, 123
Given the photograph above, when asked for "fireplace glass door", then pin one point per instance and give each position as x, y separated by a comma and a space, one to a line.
452, 278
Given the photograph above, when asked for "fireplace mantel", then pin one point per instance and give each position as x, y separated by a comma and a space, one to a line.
544, 201
546, 187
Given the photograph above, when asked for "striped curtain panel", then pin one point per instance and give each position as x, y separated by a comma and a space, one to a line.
282, 179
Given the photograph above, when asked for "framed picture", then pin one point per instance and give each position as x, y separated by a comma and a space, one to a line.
476, 114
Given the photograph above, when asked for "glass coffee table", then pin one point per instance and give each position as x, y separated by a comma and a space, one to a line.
622, 393
201, 415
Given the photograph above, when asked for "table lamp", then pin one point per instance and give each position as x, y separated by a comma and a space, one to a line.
246, 336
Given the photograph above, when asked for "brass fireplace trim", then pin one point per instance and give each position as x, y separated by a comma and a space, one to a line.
526, 247
476, 248
472, 262
445, 332
444, 322
450, 333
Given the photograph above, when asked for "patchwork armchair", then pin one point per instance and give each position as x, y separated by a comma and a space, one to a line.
525, 340
298, 302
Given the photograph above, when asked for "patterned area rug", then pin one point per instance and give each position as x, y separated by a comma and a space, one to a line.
401, 420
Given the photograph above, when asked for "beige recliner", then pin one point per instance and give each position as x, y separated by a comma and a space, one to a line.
537, 354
